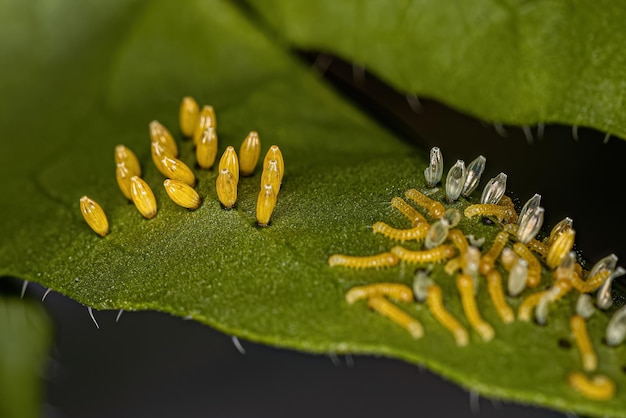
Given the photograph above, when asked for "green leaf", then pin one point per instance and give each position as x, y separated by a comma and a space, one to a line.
98, 80
512, 62
26, 336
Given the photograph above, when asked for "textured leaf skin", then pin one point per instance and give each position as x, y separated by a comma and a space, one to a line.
98, 81
26, 333
513, 62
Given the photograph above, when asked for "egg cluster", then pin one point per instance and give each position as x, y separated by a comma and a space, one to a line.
515, 252
199, 125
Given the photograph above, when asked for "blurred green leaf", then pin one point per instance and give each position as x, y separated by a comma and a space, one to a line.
513, 62
26, 336
88, 76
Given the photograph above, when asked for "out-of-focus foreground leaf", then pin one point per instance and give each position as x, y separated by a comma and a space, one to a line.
88, 76
26, 335
513, 62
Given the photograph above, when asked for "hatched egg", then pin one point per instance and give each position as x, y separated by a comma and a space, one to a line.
529, 224
421, 282
616, 328
455, 180
494, 190
606, 263
604, 298
452, 216
434, 171
584, 306
517, 277
530, 205
474, 173
437, 234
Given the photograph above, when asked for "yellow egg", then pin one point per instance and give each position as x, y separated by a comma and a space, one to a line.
188, 115
249, 153
182, 194
265, 204
94, 216
160, 134
206, 150
206, 119
226, 188
124, 155
143, 198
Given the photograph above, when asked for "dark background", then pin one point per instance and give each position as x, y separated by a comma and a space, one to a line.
154, 365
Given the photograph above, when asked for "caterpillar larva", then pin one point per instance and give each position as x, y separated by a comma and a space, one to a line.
489, 258
435, 303
417, 233
599, 387
578, 325
436, 209
458, 239
375, 261
396, 291
533, 276
503, 213
408, 211
494, 286
556, 292
386, 308
434, 255
468, 300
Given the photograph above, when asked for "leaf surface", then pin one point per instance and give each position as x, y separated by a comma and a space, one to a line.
98, 80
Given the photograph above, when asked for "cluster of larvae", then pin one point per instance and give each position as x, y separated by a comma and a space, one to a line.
200, 125
520, 254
